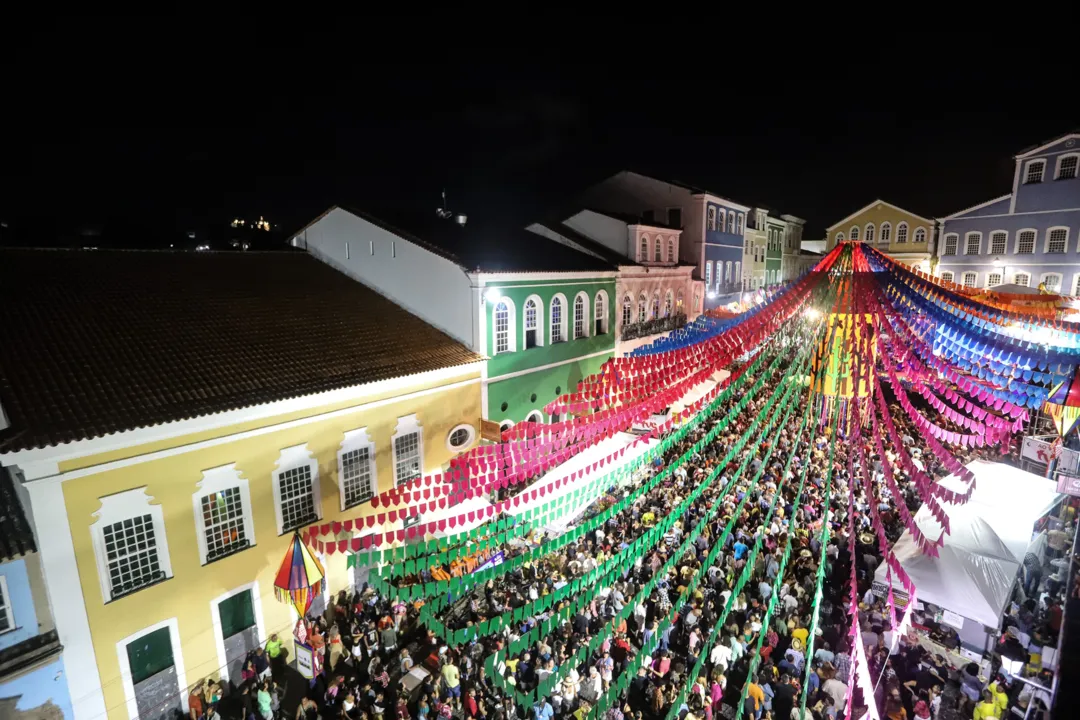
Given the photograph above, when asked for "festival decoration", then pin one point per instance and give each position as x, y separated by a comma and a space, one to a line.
300, 577
1063, 404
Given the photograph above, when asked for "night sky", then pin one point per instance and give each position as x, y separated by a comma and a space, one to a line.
145, 136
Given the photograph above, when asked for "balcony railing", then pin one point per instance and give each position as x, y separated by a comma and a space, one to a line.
652, 327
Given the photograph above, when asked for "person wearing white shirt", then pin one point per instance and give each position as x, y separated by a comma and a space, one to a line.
721, 656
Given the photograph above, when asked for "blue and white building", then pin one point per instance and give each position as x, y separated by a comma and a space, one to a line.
1030, 236
713, 227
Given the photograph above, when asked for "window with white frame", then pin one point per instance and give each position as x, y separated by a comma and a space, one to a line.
679, 301
741, 225
708, 274
947, 275
971, 279
868, 236
738, 272
643, 251
600, 319
972, 243
502, 328
1057, 240
460, 438
129, 543
839, 238
223, 517
1076, 285
627, 310
671, 250
669, 300
557, 304
712, 218
357, 475
1022, 279
727, 273
993, 279
296, 489
642, 308
999, 241
1025, 242
506, 425
1052, 282
722, 222
920, 235
731, 221
854, 233
886, 233
658, 250
1034, 172
535, 417
7, 616
901, 233
408, 445
532, 323
656, 305
1067, 167
951, 241
580, 317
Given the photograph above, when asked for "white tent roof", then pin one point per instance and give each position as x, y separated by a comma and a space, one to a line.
990, 535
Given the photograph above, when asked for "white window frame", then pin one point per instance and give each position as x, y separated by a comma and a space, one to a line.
505, 425
119, 507
291, 458
600, 312
854, 233
1041, 162
737, 277
219, 632
407, 425
583, 298
740, 223
658, 250
627, 310
672, 255
1046, 242
974, 280
968, 237
869, 233
955, 237
642, 308
558, 333
178, 663
885, 233
712, 217
511, 326
1027, 279
679, 301
990, 279
539, 320
354, 440
643, 249
915, 236
468, 443
839, 238
1034, 240
947, 275
901, 233
6, 609
1060, 279
708, 274
217, 480
535, 416
1005, 245
1076, 285
669, 303
721, 221
1057, 168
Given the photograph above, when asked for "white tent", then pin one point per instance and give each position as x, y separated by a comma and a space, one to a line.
990, 535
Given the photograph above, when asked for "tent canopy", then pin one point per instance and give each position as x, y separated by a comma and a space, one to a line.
990, 535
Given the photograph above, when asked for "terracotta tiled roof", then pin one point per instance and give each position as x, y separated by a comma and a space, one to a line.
16, 537
97, 342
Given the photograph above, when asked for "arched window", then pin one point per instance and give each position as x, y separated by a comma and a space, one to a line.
839, 238
854, 234
947, 275
886, 234
535, 417
949, 247
868, 237
600, 313
671, 250
627, 310
558, 303
668, 301
534, 319
581, 316
712, 217
1022, 279
731, 221
901, 233
656, 305
502, 327
999, 242
742, 224
658, 251
642, 308
679, 302
1052, 282
920, 235
1025, 242
643, 252
723, 221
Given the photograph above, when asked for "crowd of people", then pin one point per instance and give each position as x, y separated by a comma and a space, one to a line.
763, 652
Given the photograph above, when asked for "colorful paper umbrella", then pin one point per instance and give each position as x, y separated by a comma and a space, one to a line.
300, 577
1063, 404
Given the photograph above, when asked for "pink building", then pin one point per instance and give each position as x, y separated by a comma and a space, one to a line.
654, 293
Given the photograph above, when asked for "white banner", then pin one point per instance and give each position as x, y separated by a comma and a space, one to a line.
1040, 451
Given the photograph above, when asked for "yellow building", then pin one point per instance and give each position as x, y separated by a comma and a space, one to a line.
905, 236
173, 417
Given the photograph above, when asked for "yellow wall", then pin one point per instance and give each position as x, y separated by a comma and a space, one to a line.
881, 213
171, 481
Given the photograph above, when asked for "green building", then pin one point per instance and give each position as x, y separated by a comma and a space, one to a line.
539, 310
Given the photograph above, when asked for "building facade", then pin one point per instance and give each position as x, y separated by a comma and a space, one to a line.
539, 311
712, 225
248, 395
792, 246
33, 682
899, 233
770, 248
653, 291
1030, 237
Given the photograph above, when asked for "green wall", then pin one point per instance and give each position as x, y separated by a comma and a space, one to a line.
517, 392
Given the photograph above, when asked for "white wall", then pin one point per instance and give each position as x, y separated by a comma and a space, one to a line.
415, 278
608, 231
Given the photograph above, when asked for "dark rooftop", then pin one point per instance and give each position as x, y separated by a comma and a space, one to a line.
98, 342
16, 537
